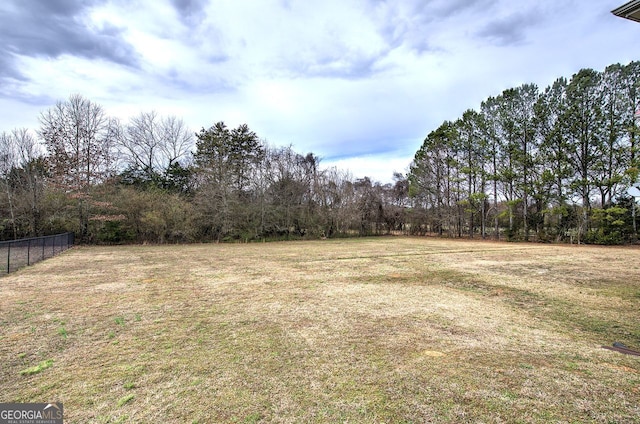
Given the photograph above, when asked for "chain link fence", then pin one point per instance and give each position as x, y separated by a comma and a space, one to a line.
16, 254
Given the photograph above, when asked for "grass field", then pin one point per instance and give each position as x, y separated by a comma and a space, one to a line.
361, 330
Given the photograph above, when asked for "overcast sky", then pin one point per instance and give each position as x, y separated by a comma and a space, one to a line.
360, 83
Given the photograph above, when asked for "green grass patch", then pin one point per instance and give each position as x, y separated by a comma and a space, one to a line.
37, 368
125, 399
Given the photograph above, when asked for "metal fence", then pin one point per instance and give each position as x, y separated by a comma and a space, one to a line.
16, 254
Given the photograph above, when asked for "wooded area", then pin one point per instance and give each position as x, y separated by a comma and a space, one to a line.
153, 180
551, 166
530, 165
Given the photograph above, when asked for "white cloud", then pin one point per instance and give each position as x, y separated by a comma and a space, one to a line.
360, 79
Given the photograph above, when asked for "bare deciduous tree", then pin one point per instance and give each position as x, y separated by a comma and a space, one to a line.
78, 136
8, 160
22, 169
152, 145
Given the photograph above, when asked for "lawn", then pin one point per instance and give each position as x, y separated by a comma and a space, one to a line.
360, 330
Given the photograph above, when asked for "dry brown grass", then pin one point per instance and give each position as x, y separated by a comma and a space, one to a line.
360, 330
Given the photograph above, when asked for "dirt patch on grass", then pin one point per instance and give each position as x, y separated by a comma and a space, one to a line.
363, 330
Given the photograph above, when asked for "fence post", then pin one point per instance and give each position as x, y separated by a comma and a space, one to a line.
9, 258
29, 252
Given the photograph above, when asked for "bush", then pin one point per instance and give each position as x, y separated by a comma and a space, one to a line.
114, 232
611, 226
599, 236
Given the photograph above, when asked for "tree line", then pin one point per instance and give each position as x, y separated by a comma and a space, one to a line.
530, 164
151, 179
549, 165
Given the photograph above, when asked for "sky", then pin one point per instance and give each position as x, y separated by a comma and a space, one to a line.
360, 83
